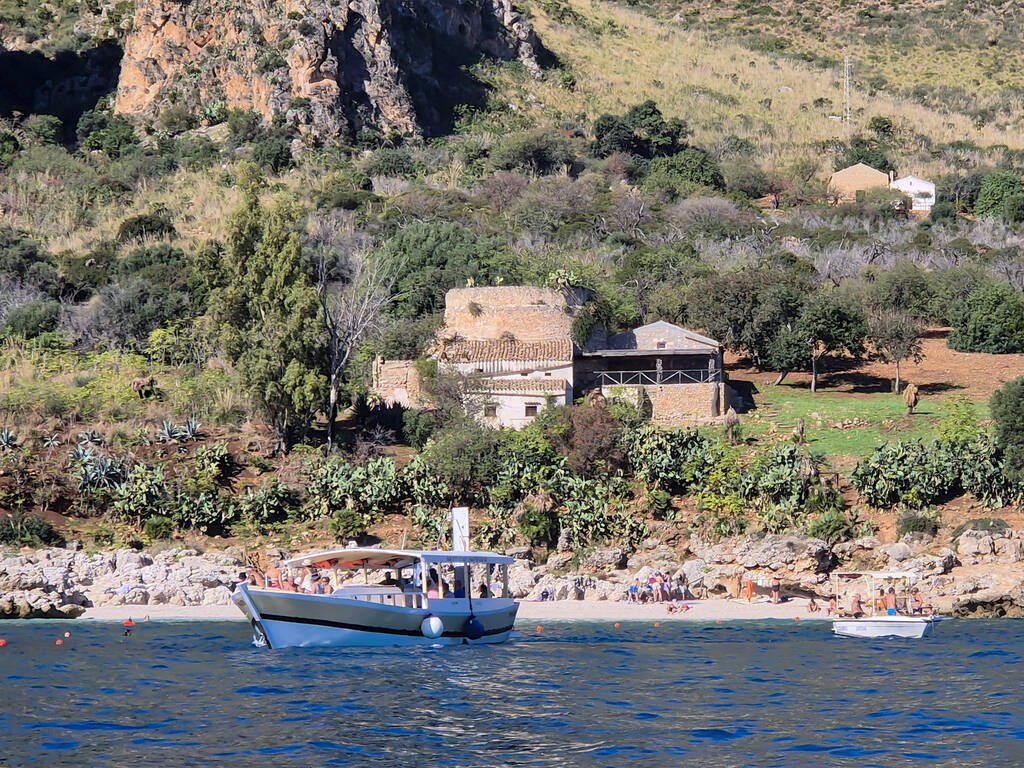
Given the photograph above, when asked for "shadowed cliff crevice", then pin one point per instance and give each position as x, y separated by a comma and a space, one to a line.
66, 85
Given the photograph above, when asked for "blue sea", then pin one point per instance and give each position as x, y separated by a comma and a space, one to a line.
576, 694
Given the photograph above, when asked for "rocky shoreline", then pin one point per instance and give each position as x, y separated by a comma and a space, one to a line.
981, 576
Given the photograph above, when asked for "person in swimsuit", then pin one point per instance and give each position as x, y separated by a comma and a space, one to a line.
890, 601
856, 609
776, 591
916, 603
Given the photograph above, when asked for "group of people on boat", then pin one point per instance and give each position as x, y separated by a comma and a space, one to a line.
886, 603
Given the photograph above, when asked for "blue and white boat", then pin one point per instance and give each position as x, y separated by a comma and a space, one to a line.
407, 597
875, 620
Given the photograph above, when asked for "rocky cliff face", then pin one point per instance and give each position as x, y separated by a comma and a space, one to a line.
332, 68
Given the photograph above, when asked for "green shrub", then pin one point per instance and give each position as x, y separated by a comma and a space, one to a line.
997, 189
683, 174
44, 129
156, 223
916, 522
673, 460
1008, 413
990, 319
243, 126
392, 162
23, 529
176, 119
158, 528
33, 318
418, 427
112, 135
911, 473
538, 526
142, 494
272, 152
831, 526
540, 151
336, 487
271, 503
994, 525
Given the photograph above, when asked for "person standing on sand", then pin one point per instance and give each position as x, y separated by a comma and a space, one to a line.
776, 591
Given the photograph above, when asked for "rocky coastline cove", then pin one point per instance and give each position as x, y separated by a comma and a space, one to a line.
976, 576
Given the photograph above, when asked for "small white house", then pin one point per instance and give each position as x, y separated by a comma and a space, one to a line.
920, 191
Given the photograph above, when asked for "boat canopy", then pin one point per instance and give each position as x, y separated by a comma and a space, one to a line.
392, 558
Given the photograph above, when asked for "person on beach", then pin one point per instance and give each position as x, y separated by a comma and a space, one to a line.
890, 601
677, 606
812, 605
776, 591
633, 593
833, 606
856, 609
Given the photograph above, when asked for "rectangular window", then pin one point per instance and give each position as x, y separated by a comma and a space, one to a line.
531, 411
490, 411
661, 345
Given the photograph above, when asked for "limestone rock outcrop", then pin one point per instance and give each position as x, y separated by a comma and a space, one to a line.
331, 69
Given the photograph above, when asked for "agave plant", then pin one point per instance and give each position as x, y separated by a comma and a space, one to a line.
8, 440
100, 473
192, 430
82, 454
53, 441
90, 437
169, 432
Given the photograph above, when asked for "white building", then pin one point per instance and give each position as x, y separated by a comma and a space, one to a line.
920, 191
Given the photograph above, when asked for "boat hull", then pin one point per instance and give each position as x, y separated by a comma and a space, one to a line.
286, 620
885, 626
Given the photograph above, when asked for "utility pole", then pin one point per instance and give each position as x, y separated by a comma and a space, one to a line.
847, 94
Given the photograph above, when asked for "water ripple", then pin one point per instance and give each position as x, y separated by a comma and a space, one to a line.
764, 694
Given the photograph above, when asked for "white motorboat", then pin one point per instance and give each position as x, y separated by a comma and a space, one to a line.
408, 597
870, 616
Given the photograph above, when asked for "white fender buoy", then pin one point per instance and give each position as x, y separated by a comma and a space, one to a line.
432, 627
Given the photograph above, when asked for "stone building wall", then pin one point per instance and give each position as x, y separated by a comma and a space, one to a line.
676, 404
522, 313
397, 382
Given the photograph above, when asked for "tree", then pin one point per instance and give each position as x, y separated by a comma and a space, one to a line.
750, 309
997, 188
1007, 407
989, 319
642, 131
683, 173
895, 336
354, 291
826, 326
268, 313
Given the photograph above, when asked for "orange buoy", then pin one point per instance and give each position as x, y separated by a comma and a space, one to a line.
2, 642
540, 628
128, 623
617, 625
657, 624
796, 618
59, 641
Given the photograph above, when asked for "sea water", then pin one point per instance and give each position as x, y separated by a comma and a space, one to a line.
574, 694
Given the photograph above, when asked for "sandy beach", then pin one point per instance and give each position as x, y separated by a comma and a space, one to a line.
553, 610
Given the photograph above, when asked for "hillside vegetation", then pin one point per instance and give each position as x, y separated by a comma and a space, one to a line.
189, 309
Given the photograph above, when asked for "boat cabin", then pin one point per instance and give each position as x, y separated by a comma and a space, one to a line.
411, 578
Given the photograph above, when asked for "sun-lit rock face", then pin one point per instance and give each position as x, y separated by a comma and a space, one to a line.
330, 67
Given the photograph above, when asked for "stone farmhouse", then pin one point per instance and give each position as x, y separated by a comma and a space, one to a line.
847, 184
514, 348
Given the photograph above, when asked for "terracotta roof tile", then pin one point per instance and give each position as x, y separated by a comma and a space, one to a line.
480, 351
545, 386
